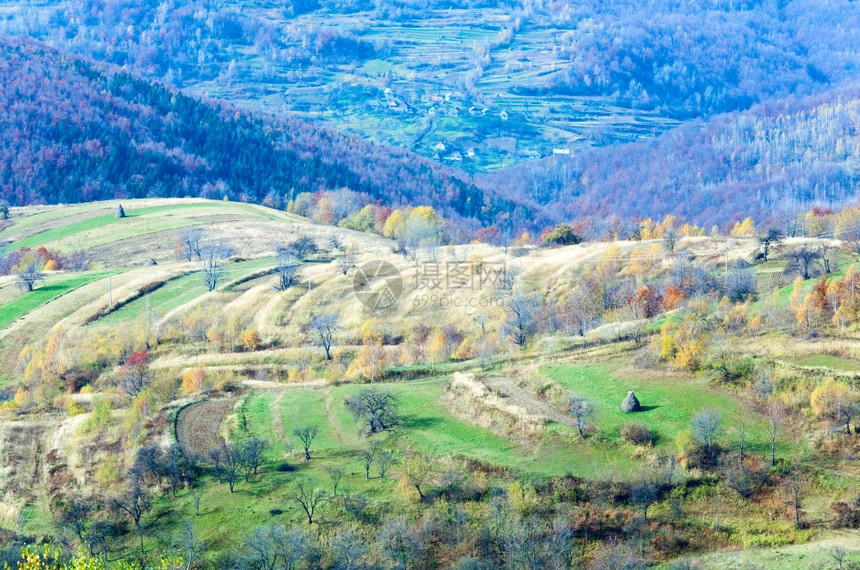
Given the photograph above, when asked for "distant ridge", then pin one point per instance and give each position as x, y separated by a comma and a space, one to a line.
76, 131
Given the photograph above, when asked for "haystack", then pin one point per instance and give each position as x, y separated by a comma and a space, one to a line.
120, 213
630, 403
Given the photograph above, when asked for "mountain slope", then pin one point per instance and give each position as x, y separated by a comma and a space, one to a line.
775, 158
567, 74
76, 131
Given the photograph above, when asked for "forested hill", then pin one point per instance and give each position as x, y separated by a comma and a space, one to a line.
775, 158
78, 131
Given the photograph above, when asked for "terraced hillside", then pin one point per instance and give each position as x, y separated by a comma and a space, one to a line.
479, 414
492, 82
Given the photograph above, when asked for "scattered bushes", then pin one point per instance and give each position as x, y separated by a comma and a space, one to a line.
637, 434
847, 513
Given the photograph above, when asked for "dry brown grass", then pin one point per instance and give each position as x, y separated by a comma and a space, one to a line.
497, 404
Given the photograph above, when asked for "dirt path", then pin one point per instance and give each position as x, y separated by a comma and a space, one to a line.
277, 420
517, 396
265, 385
263, 320
22, 446
335, 427
198, 425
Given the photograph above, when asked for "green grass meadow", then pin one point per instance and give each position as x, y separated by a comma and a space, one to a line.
180, 290
668, 405
44, 293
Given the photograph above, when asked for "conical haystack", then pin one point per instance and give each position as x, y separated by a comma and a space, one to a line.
630, 403
120, 213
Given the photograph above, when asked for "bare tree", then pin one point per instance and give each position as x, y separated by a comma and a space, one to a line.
839, 554
97, 537
461, 253
286, 272
376, 409
306, 435
190, 547
401, 544
293, 546
230, 464
215, 457
356, 506
581, 411
197, 494
431, 248
75, 515
189, 243
135, 502
260, 550
325, 326
334, 242
740, 283
348, 549
560, 545
842, 410
670, 239
486, 349
274, 547
175, 468
251, 454
706, 427
335, 474
520, 310
309, 499
214, 254
300, 248
644, 495
28, 276
771, 238
368, 456
384, 463
346, 261
803, 261
775, 413
795, 482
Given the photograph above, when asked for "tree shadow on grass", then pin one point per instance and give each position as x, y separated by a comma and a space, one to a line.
418, 422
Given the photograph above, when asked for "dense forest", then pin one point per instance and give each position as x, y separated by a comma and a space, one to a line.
76, 131
775, 159
769, 106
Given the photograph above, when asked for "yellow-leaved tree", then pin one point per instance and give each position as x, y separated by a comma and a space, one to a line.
372, 357
744, 228
836, 402
415, 471
193, 380
438, 347
394, 224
